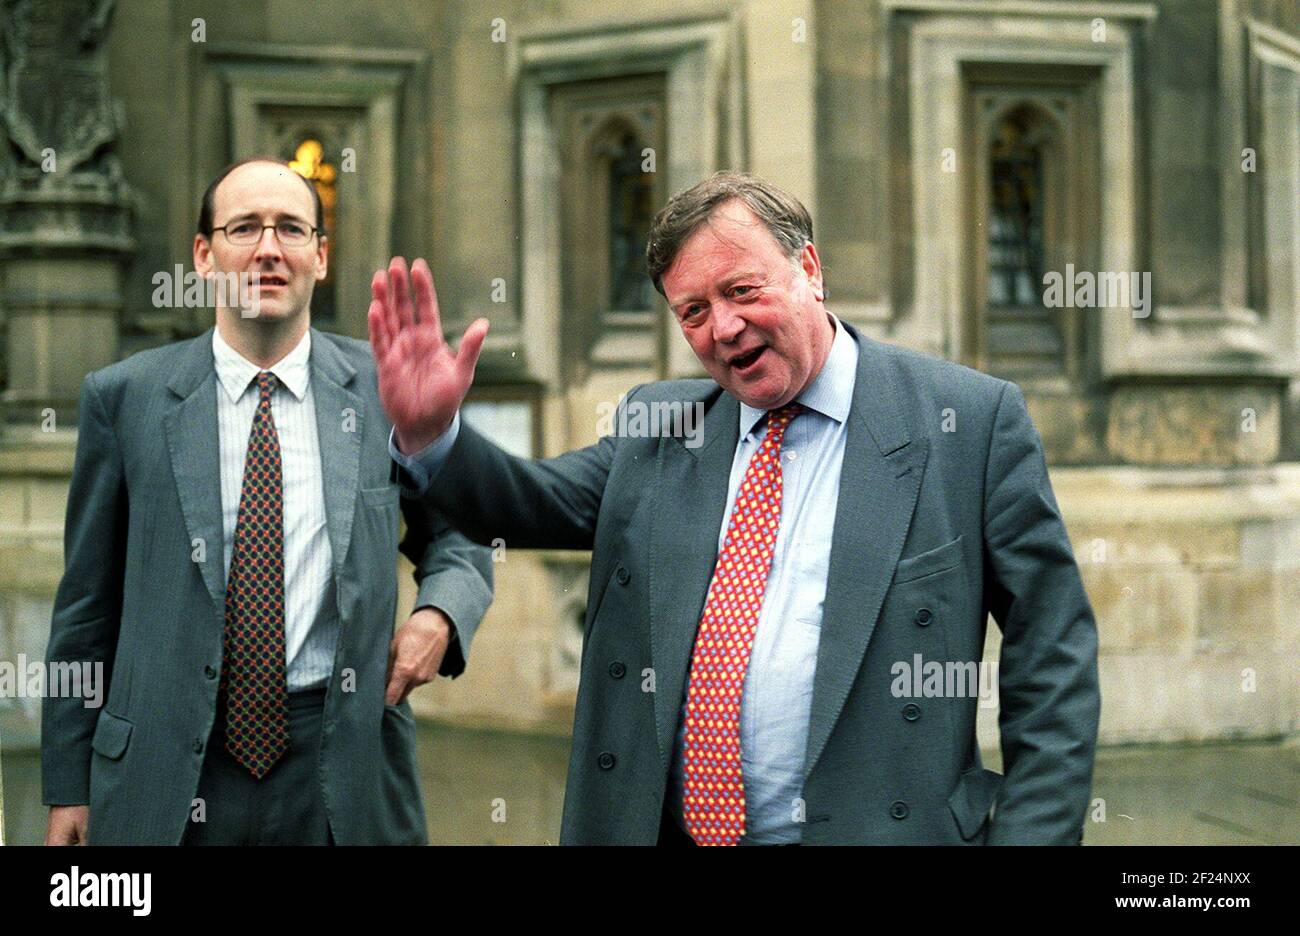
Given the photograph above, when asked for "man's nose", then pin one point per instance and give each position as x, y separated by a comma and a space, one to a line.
727, 325
268, 246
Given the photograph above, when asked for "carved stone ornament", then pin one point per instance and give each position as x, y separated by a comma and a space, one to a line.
55, 93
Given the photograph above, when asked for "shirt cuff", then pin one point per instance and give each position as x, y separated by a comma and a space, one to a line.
422, 467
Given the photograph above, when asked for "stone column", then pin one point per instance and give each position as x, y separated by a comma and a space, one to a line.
64, 208
64, 243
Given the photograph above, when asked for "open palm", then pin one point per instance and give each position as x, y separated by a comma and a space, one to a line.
422, 382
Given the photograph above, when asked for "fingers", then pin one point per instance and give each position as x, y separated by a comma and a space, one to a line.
395, 692
381, 292
398, 679
426, 297
471, 345
380, 339
398, 278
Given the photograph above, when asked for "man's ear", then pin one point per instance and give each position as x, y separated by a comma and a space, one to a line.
202, 256
812, 268
322, 257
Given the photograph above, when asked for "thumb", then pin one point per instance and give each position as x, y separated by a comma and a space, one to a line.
471, 345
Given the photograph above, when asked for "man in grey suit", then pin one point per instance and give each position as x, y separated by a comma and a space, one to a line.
786, 614
230, 544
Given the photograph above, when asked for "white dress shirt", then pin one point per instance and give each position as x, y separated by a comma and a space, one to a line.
311, 622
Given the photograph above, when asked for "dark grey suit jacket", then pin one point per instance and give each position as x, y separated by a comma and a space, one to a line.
145, 488
959, 523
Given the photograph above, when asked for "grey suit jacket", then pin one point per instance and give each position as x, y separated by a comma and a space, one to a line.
137, 595
934, 530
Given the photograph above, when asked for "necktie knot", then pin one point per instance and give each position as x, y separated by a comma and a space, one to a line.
266, 384
784, 414
779, 419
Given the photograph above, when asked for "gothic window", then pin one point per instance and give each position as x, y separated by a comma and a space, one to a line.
1015, 216
1031, 216
612, 157
631, 209
310, 163
312, 141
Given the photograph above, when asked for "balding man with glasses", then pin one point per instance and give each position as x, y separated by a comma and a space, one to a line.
229, 548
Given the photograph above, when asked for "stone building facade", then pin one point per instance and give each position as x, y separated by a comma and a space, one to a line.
955, 154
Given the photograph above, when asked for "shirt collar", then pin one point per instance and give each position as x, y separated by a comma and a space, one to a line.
236, 372
831, 391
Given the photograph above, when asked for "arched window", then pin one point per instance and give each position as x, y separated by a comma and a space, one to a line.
611, 135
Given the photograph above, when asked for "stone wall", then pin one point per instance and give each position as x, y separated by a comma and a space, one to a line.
1175, 469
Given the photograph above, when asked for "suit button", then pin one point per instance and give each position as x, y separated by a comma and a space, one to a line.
911, 711
623, 575
617, 669
922, 617
198, 745
606, 760
898, 809
209, 672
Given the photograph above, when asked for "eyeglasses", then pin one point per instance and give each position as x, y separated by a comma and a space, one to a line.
246, 233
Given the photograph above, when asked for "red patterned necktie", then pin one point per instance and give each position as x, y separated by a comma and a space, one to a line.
713, 804
253, 670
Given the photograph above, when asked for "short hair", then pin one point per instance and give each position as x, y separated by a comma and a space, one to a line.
205, 209
782, 214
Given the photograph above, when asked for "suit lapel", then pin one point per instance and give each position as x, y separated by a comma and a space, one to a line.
688, 506
879, 484
340, 417
194, 446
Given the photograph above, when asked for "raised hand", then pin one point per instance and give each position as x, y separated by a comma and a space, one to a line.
422, 382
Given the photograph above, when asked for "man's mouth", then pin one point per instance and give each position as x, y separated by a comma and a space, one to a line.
264, 280
743, 362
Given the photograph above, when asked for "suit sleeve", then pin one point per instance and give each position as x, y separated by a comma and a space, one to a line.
88, 604
1050, 701
496, 498
452, 574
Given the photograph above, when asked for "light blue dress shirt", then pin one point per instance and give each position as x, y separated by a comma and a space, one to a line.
777, 699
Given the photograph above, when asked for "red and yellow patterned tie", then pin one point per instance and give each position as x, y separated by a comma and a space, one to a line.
253, 679
713, 804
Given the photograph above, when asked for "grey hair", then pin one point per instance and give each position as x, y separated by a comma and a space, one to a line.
784, 216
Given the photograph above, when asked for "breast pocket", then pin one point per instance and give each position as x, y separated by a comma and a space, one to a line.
380, 496
928, 601
941, 559
809, 563
375, 529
